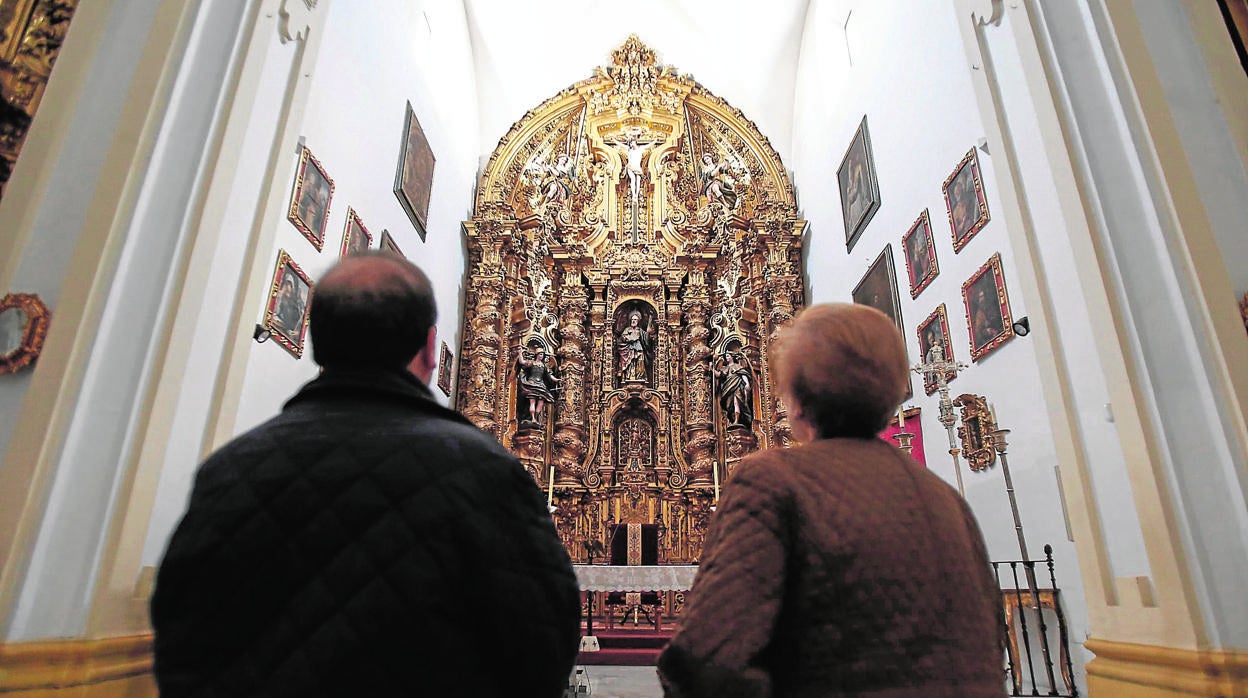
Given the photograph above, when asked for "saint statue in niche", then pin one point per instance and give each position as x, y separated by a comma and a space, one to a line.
537, 383
635, 345
734, 379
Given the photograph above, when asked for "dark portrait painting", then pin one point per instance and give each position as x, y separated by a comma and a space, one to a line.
987, 309
920, 251
286, 314
389, 245
309, 202
413, 183
355, 237
934, 332
445, 361
878, 289
965, 201
860, 192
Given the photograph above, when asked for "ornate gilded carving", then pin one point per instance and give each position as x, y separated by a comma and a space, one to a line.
644, 235
977, 425
31, 34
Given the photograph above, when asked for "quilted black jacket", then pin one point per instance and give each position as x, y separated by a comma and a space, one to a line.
365, 542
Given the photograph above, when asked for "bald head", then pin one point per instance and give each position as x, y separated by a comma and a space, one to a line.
373, 309
845, 367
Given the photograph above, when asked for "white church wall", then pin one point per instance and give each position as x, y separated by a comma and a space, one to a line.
1199, 115
133, 282
366, 71
213, 315
907, 70
1157, 230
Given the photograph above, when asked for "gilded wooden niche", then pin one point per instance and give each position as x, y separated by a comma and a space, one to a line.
634, 244
976, 431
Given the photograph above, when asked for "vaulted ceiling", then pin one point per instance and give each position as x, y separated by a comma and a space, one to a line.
744, 51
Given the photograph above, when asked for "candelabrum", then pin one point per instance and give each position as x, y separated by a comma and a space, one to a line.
940, 369
903, 440
999, 445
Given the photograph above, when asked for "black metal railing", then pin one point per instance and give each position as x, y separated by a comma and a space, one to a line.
1025, 605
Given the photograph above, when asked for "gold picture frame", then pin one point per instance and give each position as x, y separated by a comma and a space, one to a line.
965, 201
309, 200
290, 298
355, 237
935, 330
918, 246
988, 319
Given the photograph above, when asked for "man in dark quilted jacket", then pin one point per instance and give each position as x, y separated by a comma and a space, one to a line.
366, 541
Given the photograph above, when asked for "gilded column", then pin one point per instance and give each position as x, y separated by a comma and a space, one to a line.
699, 429
570, 428
479, 394
784, 294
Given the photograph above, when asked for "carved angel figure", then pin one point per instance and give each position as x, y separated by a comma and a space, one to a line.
556, 183
717, 182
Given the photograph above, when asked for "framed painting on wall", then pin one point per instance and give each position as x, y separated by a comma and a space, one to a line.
965, 200
933, 332
860, 191
878, 289
920, 249
413, 183
309, 202
389, 245
286, 313
987, 309
444, 369
355, 237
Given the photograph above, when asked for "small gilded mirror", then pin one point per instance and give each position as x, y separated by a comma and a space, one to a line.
23, 326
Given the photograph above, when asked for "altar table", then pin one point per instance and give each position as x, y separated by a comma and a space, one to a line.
635, 577
632, 580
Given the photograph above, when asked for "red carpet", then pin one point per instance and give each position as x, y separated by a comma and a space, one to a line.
622, 647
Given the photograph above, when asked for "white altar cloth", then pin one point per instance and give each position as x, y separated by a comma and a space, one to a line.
635, 577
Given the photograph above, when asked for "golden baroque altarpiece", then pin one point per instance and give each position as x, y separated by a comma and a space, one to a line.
31, 34
635, 243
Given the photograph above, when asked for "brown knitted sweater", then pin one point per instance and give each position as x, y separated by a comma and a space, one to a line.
839, 568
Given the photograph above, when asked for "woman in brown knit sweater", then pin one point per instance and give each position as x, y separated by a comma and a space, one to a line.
839, 567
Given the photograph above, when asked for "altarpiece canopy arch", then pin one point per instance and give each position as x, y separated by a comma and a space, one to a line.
635, 243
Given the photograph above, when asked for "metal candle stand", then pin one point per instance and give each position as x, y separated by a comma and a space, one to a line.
999, 445
903, 441
940, 367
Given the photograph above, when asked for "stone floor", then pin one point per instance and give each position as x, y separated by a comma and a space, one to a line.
622, 682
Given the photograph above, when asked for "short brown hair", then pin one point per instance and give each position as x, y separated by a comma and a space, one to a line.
845, 366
